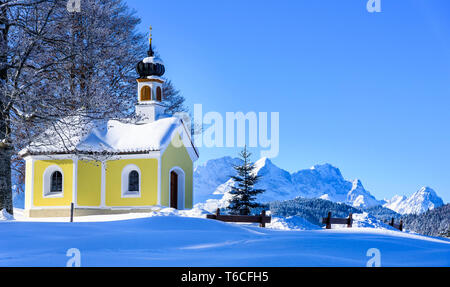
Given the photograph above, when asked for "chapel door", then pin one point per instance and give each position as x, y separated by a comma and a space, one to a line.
174, 190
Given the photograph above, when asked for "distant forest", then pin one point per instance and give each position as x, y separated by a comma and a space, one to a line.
435, 222
312, 210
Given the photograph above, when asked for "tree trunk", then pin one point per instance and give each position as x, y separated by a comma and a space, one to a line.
5, 130
5, 181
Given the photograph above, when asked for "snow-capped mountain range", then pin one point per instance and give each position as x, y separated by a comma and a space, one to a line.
421, 201
212, 184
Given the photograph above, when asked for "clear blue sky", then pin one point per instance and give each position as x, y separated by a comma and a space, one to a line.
368, 93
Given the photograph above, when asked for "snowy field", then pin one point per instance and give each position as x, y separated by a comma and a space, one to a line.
173, 239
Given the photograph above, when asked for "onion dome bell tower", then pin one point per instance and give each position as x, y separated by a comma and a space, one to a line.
150, 90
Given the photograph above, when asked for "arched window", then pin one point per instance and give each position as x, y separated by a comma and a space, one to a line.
56, 185
159, 94
133, 182
53, 179
146, 93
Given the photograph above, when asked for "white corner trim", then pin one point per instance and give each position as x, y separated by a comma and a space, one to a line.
75, 182
29, 202
159, 178
103, 186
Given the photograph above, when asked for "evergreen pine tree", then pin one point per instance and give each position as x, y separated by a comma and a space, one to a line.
244, 193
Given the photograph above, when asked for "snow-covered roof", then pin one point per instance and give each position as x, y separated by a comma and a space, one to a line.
153, 60
112, 137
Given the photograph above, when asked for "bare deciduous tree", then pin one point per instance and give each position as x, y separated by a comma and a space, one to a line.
56, 65
23, 28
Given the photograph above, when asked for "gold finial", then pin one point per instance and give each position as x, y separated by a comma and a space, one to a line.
150, 37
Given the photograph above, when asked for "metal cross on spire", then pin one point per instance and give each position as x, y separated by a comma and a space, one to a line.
150, 36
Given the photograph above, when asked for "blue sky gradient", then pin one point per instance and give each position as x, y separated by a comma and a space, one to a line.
366, 92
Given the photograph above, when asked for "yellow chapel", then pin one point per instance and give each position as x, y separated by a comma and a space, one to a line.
115, 166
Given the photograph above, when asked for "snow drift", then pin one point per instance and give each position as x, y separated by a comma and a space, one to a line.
173, 240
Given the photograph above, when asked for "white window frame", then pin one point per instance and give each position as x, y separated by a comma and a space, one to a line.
47, 182
181, 187
125, 181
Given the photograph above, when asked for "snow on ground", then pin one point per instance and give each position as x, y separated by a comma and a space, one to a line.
159, 211
291, 223
181, 238
212, 204
5, 216
365, 220
279, 223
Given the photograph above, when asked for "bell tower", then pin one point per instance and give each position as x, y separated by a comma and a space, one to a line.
150, 86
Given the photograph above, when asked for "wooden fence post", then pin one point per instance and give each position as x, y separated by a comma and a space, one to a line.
263, 214
329, 220
350, 220
262, 219
71, 211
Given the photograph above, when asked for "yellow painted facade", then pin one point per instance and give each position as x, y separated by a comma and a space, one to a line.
89, 183
175, 156
148, 178
39, 197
